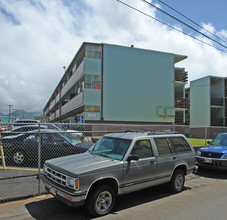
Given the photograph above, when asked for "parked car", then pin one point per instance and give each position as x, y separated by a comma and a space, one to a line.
22, 149
59, 128
117, 164
23, 129
24, 122
213, 155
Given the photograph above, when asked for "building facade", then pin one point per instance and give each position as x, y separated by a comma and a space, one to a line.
208, 101
111, 83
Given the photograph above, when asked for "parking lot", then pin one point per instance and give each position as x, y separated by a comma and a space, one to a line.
204, 197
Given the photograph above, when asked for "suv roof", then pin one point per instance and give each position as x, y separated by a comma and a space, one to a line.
134, 134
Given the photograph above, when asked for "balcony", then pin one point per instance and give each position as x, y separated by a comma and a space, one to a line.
181, 102
73, 79
181, 76
217, 101
179, 117
72, 104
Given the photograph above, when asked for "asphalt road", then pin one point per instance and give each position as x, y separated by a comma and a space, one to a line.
204, 197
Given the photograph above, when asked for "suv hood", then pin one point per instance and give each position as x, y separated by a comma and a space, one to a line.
80, 164
214, 149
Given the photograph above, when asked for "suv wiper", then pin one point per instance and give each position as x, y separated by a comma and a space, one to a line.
104, 155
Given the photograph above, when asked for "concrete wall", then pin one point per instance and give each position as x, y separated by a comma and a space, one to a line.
200, 102
138, 84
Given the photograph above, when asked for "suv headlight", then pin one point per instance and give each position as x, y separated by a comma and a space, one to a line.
72, 183
224, 156
198, 153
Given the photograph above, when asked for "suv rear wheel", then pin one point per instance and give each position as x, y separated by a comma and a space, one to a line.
101, 200
177, 181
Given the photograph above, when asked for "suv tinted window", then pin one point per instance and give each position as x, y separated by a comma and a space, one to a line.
179, 144
162, 146
142, 148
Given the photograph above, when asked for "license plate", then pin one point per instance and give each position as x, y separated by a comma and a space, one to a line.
53, 191
208, 160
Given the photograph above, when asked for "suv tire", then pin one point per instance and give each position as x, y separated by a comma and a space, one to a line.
177, 181
101, 200
18, 157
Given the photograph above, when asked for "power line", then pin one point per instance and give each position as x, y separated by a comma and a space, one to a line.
191, 20
169, 25
183, 23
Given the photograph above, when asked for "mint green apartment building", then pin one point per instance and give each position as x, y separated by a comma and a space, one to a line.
107, 83
208, 101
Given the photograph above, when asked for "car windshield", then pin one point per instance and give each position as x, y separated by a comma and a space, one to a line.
72, 139
221, 139
114, 148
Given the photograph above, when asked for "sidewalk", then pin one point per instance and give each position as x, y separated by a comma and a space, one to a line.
20, 209
41, 207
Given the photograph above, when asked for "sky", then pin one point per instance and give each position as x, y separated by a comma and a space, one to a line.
39, 37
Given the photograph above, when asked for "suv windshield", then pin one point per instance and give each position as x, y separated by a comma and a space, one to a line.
221, 139
114, 148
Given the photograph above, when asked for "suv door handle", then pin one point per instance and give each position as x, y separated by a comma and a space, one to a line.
174, 157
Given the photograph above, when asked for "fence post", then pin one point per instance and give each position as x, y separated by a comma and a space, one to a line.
39, 158
173, 127
205, 136
3, 158
122, 128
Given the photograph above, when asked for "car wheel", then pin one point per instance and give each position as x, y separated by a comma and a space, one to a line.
177, 181
18, 157
101, 200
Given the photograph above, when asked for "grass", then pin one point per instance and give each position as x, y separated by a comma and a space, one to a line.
198, 142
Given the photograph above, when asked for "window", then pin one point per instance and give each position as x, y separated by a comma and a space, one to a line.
92, 108
93, 51
92, 81
162, 146
179, 144
32, 137
142, 149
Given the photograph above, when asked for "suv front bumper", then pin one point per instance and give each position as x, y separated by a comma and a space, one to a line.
76, 198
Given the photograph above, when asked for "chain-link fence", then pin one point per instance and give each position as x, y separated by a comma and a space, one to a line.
25, 148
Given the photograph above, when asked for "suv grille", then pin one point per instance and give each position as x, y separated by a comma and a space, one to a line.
56, 176
211, 154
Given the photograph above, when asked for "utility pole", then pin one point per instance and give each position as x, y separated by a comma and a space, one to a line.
9, 111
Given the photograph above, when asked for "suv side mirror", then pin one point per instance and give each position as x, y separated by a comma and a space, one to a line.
208, 142
132, 157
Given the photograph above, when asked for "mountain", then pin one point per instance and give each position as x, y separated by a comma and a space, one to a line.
21, 114
28, 115
1, 114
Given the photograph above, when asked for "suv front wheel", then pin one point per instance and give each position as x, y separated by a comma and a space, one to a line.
101, 200
177, 181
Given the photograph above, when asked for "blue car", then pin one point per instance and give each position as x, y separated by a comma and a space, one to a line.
213, 155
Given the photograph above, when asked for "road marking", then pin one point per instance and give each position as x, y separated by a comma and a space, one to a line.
19, 168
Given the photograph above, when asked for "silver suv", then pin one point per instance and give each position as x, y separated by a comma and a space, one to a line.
117, 164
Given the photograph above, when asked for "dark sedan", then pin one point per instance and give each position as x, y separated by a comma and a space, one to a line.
213, 155
22, 149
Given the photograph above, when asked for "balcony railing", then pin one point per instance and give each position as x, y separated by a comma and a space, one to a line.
181, 76
72, 104
217, 101
179, 117
181, 102
73, 79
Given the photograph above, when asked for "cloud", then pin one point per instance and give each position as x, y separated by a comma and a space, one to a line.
39, 37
